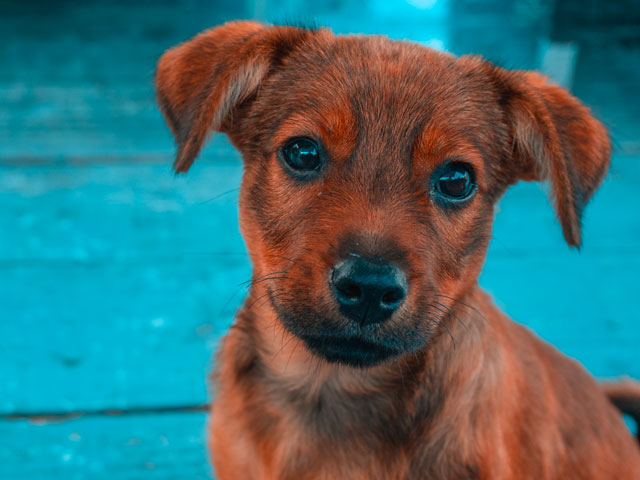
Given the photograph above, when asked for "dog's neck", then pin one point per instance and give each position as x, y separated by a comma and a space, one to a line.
420, 377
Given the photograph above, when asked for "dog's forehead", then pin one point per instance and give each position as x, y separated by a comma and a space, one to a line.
373, 71
382, 84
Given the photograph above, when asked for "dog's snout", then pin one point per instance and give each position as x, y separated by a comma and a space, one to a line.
368, 291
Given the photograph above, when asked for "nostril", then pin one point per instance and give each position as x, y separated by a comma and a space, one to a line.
345, 283
392, 298
350, 291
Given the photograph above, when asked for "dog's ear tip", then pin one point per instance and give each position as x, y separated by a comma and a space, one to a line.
181, 165
577, 246
179, 169
573, 239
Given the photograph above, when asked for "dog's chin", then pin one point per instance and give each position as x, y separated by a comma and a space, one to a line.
343, 346
352, 351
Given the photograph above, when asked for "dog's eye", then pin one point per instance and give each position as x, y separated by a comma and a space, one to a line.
455, 181
302, 154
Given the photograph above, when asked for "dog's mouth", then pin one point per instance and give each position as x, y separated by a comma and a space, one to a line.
353, 351
331, 340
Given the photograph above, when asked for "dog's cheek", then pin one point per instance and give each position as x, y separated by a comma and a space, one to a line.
474, 241
307, 281
305, 315
262, 207
464, 239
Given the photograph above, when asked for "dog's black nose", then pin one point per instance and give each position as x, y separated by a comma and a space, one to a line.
368, 291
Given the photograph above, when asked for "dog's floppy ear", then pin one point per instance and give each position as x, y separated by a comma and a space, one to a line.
199, 83
555, 138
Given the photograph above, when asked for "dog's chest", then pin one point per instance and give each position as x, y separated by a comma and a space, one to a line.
336, 435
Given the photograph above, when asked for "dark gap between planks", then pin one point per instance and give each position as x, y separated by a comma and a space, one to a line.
46, 417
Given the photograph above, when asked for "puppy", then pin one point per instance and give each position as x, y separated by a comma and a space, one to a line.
366, 349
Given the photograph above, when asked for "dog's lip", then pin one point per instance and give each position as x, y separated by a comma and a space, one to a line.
351, 350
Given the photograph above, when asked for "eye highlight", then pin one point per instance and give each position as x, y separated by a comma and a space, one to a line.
454, 182
302, 156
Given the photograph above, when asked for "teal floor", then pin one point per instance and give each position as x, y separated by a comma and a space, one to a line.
117, 278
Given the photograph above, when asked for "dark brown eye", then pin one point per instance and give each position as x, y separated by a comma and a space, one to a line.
455, 181
302, 154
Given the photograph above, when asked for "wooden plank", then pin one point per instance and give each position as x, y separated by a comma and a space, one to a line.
112, 335
169, 446
39, 120
118, 211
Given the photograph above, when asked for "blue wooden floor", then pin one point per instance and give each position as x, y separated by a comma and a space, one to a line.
117, 278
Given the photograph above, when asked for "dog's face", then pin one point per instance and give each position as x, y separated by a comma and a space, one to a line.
371, 171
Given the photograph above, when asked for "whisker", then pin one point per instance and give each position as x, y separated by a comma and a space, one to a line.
503, 245
228, 302
250, 283
213, 199
266, 276
274, 325
283, 345
449, 311
461, 303
441, 324
273, 255
415, 357
291, 354
272, 297
262, 296
453, 339
242, 254
317, 372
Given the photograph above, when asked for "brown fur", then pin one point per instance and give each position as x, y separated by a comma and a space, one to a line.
468, 393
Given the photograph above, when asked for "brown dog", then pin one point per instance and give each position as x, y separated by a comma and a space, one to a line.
372, 168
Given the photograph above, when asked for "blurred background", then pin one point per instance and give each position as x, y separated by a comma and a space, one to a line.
117, 278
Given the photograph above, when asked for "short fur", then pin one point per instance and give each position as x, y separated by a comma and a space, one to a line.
468, 393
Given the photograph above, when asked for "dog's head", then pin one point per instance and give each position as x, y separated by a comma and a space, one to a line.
372, 168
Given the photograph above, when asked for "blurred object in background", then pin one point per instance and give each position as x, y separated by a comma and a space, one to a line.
606, 36
76, 76
117, 278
